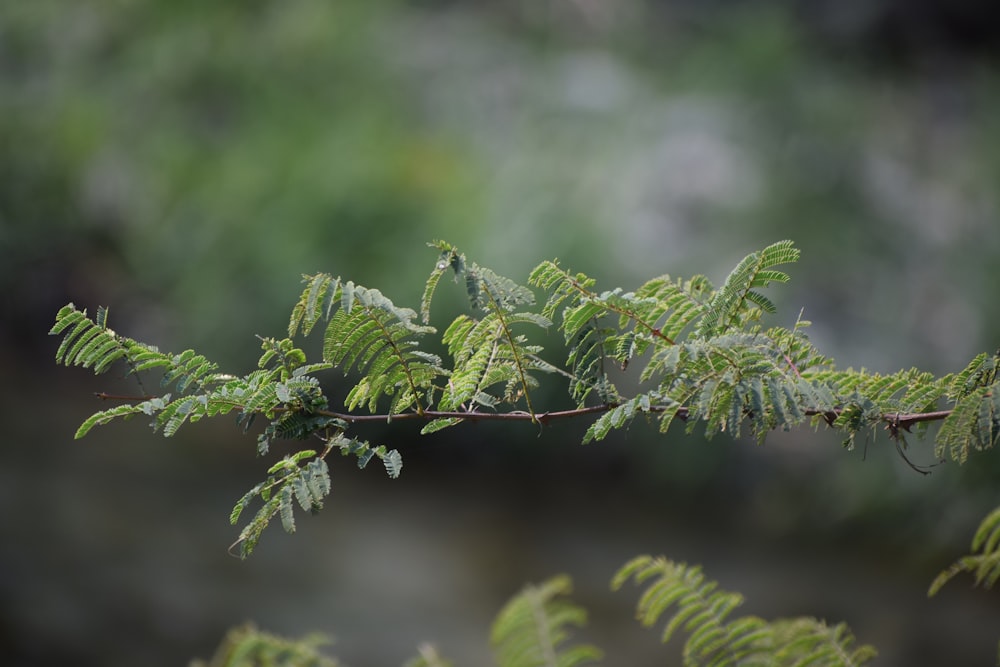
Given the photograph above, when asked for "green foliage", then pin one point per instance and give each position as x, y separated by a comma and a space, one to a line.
249, 647
532, 629
367, 331
282, 390
428, 657
974, 422
65, 111
88, 343
732, 307
301, 477
707, 357
486, 350
696, 606
702, 611
697, 354
700, 355
984, 565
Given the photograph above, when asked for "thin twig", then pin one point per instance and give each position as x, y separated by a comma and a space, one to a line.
894, 421
428, 415
114, 397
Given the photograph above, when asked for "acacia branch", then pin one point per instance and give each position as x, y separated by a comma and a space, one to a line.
894, 421
653, 331
427, 415
114, 397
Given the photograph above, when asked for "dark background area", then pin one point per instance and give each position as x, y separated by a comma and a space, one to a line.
184, 163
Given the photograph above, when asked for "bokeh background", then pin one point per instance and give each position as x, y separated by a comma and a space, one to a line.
185, 162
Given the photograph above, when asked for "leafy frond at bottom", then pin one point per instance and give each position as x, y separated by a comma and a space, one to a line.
247, 646
302, 479
290, 481
532, 629
984, 565
696, 606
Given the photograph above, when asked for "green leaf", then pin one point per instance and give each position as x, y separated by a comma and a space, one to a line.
984, 565
244, 502
533, 629
393, 462
695, 605
317, 476
379, 339
285, 508
439, 424
311, 306
106, 416
728, 307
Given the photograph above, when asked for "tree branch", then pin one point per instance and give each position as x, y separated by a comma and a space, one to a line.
894, 421
427, 415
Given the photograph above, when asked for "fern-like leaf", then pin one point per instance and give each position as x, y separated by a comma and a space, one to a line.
486, 349
729, 306
656, 314
486, 355
696, 606
85, 342
980, 372
701, 611
188, 370
532, 629
621, 415
449, 258
249, 647
501, 320
560, 284
315, 301
301, 478
369, 332
90, 343
807, 641
175, 413
974, 423
489, 291
391, 459
984, 565
676, 304
594, 348
106, 416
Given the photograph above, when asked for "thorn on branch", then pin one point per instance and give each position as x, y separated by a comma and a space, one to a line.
792, 365
892, 426
114, 397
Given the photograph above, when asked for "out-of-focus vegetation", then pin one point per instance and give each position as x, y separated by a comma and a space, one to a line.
184, 162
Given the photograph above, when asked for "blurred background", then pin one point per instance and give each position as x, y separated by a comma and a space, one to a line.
185, 162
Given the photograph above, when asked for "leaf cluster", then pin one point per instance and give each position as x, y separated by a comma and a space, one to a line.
247, 646
696, 606
695, 353
536, 627
282, 390
984, 560
532, 629
698, 354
